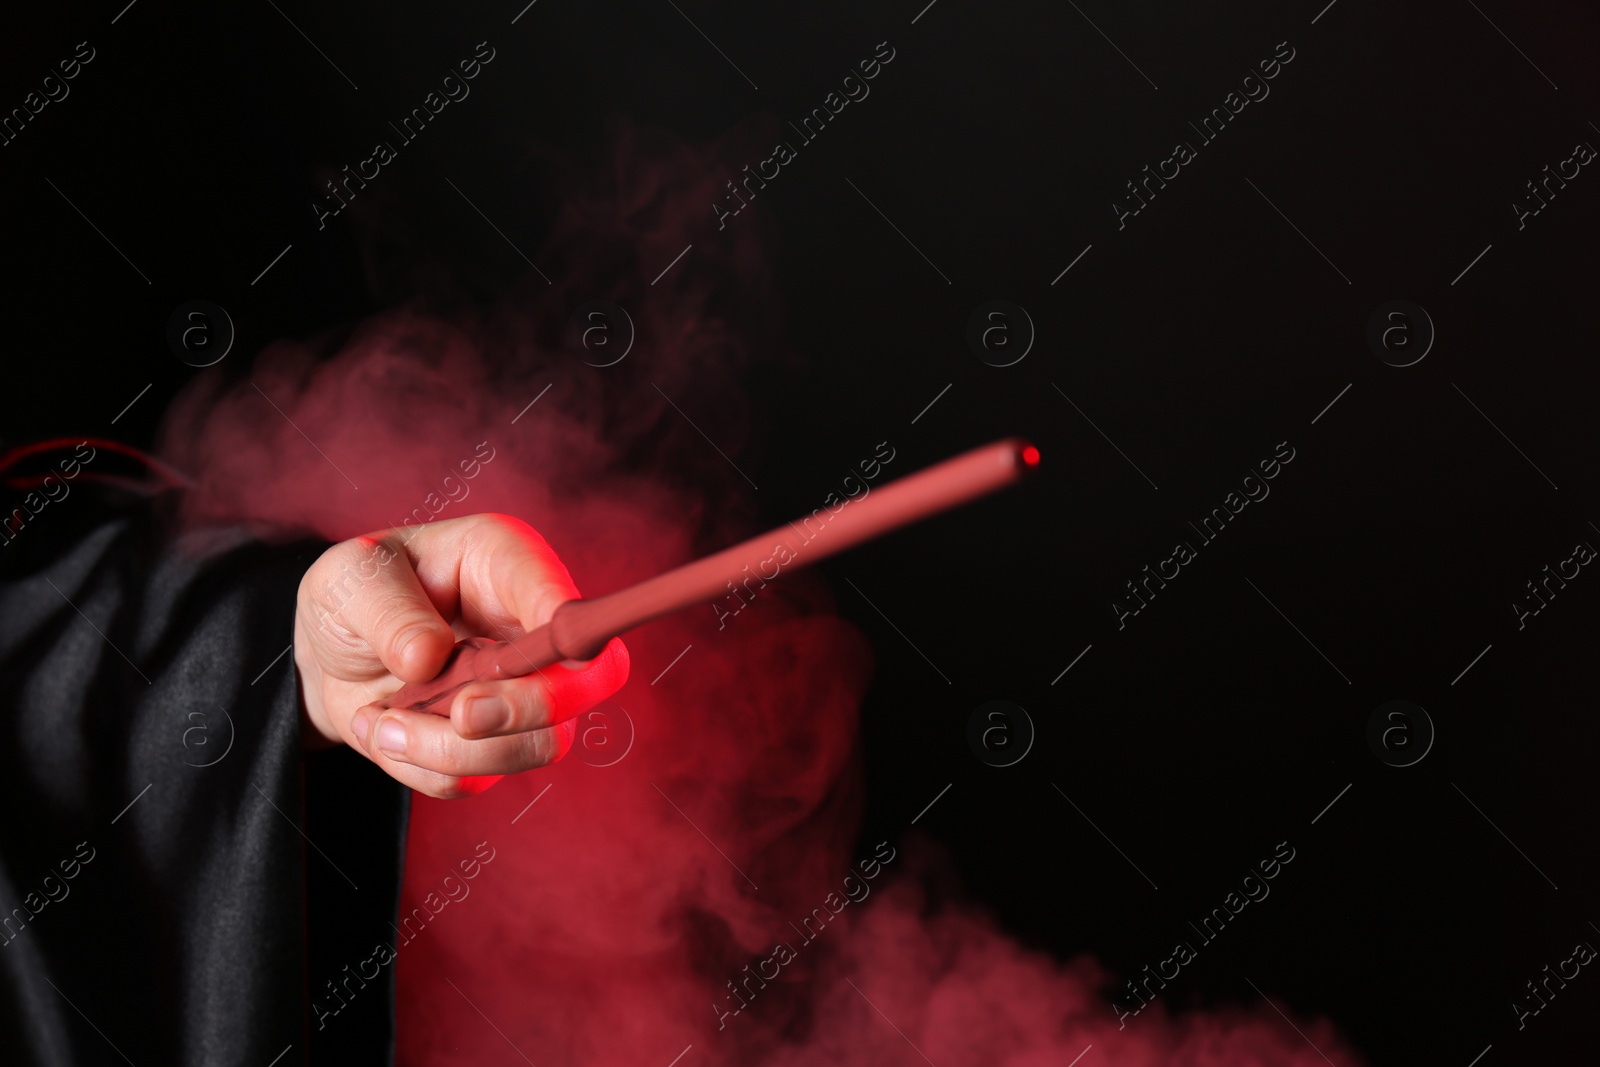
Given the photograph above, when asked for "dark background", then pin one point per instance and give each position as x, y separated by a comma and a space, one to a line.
1197, 338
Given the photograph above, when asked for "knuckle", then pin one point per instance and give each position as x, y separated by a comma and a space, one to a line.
501, 523
549, 745
538, 748
339, 573
346, 556
392, 611
447, 787
342, 641
335, 645
531, 706
428, 783
437, 750
491, 530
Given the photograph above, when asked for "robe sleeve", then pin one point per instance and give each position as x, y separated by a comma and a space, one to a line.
175, 872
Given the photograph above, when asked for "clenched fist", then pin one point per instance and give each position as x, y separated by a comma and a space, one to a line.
382, 610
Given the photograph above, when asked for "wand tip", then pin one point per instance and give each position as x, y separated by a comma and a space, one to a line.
1030, 456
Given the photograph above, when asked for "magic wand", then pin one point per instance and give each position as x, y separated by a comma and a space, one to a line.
579, 629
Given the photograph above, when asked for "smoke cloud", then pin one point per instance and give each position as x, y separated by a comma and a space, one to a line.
704, 819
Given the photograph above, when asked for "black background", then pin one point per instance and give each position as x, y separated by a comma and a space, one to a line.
1197, 338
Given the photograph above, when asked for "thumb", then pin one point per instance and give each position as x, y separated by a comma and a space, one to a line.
386, 608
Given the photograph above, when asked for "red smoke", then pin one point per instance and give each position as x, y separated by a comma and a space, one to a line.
620, 905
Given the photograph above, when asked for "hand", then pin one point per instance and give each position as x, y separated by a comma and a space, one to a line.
385, 609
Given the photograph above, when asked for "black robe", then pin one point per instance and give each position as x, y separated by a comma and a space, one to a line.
175, 872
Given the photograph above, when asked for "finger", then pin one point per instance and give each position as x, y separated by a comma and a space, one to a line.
428, 782
431, 743
382, 604
551, 695
507, 577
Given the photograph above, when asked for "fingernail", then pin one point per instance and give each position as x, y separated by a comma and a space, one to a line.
360, 725
392, 738
486, 715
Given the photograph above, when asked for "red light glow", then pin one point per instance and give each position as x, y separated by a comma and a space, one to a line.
699, 824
